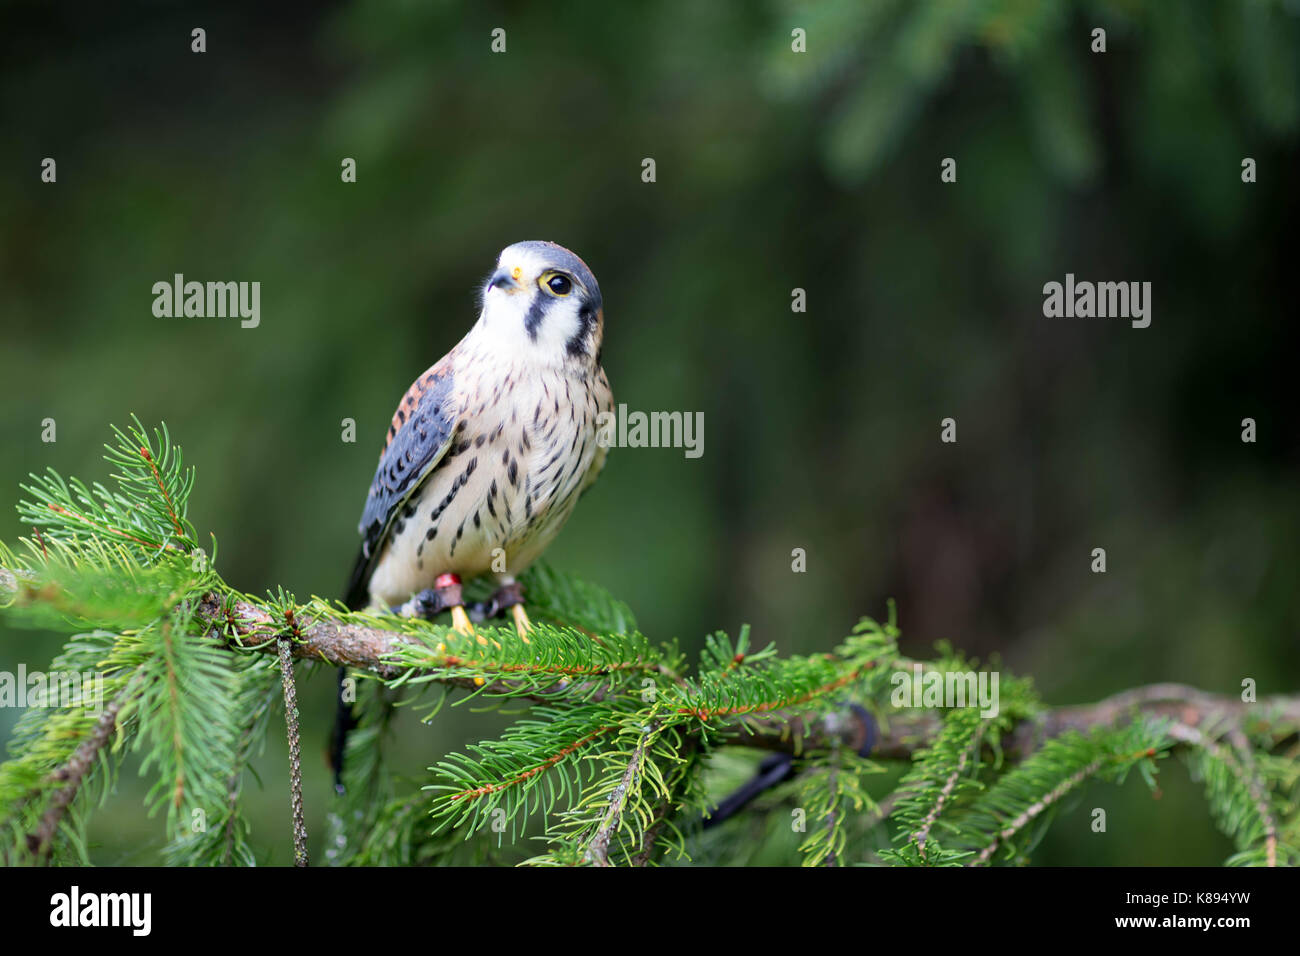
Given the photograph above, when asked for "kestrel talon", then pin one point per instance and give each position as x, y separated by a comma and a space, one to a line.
491, 447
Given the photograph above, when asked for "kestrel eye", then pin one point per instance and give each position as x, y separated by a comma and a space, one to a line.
559, 285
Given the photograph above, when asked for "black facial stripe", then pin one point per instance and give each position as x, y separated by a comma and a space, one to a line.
536, 311
577, 344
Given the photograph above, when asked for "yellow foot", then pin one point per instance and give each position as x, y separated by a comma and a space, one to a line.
460, 621
522, 624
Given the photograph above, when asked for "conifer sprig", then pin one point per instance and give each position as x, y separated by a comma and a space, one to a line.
145, 512
833, 794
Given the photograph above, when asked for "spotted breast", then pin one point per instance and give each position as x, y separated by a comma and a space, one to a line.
522, 451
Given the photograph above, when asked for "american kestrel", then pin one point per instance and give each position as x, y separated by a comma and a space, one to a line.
491, 446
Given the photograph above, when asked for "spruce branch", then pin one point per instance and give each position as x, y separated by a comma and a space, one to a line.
72, 774
618, 734
536, 763
396, 649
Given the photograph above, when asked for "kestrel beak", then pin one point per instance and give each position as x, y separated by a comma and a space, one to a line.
507, 279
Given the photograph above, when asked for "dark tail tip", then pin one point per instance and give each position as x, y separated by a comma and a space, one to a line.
345, 719
773, 770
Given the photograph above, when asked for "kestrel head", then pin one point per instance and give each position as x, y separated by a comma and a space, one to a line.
542, 301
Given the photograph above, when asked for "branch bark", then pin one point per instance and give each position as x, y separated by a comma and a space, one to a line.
370, 648
906, 733
344, 645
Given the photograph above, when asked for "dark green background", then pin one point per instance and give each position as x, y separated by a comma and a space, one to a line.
775, 171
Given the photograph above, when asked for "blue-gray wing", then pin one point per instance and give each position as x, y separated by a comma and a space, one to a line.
418, 438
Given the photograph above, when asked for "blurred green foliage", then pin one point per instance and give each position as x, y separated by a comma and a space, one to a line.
775, 170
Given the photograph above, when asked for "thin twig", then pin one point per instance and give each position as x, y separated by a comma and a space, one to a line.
295, 762
162, 490
832, 781
1036, 809
666, 806
1242, 766
598, 849
923, 834
1246, 754
544, 765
